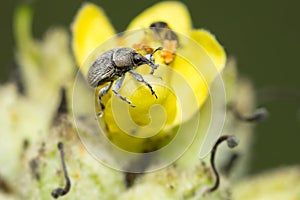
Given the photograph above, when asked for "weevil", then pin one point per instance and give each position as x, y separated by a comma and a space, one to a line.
169, 39
111, 66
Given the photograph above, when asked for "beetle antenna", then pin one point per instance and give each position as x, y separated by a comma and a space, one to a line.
62, 191
151, 60
157, 49
232, 142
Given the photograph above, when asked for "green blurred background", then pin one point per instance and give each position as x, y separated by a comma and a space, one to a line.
264, 36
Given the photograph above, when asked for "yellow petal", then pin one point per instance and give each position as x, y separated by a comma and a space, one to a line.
175, 14
90, 28
151, 120
211, 46
198, 62
192, 89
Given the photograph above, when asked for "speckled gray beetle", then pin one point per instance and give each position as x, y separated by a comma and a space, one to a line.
112, 66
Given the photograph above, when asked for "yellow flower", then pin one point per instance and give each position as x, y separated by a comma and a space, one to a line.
181, 86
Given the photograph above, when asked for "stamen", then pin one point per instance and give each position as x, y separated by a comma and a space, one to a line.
258, 115
232, 141
62, 191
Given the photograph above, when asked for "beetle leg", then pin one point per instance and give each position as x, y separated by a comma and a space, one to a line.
138, 77
153, 67
151, 63
102, 92
116, 87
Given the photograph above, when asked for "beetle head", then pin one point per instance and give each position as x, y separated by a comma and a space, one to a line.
138, 60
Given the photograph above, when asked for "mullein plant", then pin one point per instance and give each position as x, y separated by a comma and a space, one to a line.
51, 107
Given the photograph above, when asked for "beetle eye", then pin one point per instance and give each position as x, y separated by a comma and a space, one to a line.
138, 59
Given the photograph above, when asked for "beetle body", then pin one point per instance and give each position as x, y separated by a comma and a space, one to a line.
112, 65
